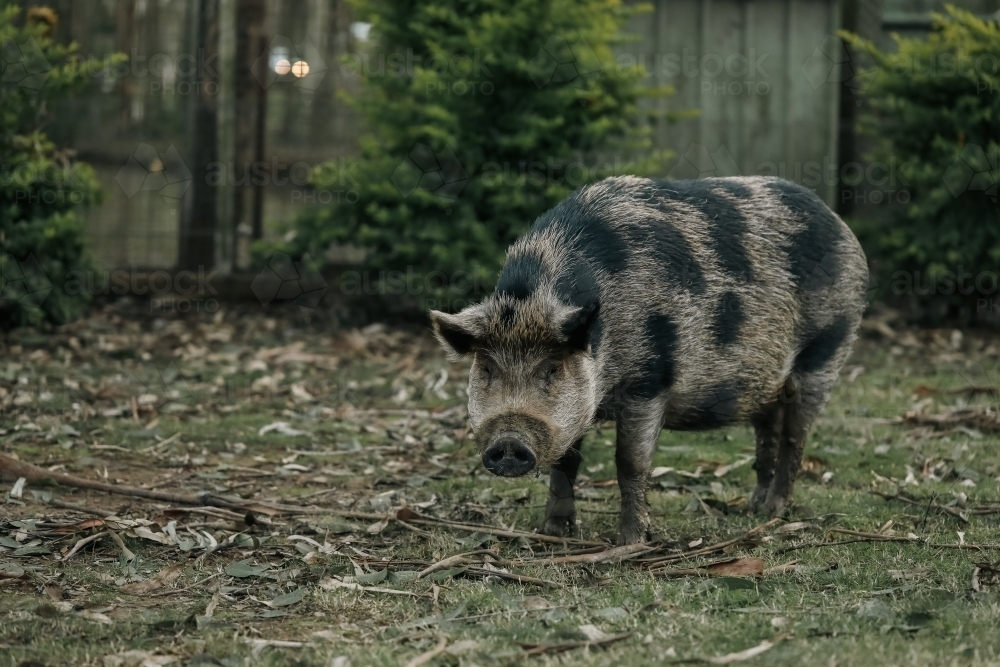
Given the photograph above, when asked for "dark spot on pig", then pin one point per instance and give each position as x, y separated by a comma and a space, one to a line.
735, 188
729, 318
521, 276
671, 251
507, 315
716, 407
657, 376
577, 286
822, 346
810, 254
727, 224
592, 236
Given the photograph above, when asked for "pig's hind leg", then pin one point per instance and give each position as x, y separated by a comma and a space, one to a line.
767, 424
806, 392
560, 509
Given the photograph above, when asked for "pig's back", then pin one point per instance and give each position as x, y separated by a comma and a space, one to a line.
708, 289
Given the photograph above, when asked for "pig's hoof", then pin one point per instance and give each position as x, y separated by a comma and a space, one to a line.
558, 526
634, 534
757, 500
774, 506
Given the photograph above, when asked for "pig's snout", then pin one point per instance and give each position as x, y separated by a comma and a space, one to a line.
509, 456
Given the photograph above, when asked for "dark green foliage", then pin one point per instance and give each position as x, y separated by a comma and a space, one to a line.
936, 106
483, 114
40, 186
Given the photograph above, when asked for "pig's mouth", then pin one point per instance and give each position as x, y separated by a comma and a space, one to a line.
509, 455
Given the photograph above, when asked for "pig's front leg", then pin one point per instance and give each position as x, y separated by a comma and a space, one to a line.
560, 509
638, 430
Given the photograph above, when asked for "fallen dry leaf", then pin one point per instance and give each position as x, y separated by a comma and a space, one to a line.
813, 466
740, 656
784, 568
86, 524
138, 658
737, 567
733, 567
283, 428
723, 470
166, 576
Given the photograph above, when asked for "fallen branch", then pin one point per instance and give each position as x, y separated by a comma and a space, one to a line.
84, 542
861, 537
443, 564
11, 469
539, 649
982, 419
874, 537
918, 503
174, 591
616, 555
408, 515
572, 552
104, 514
427, 656
510, 576
712, 548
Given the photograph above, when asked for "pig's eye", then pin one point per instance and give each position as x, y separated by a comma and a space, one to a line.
551, 372
488, 371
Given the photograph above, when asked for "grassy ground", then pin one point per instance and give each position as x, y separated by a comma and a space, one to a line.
180, 406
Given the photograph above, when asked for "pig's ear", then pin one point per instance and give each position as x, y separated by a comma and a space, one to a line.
457, 333
578, 324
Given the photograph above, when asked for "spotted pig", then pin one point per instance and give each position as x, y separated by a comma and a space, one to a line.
684, 305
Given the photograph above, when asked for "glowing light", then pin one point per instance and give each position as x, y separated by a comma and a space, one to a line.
282, 67
300, 68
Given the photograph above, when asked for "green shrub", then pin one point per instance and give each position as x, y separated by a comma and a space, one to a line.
483, 114
936, 106
40, 186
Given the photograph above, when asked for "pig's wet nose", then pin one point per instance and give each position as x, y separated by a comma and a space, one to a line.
509, 457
